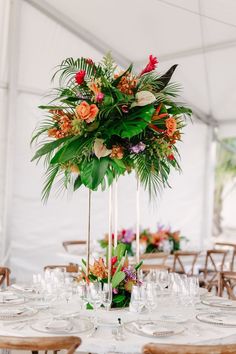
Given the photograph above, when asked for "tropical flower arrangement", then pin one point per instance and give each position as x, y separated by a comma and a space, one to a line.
125, 236
150, 241
123, 275
102, 123
155, 241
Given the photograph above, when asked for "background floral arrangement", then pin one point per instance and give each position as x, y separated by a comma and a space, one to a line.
123, 275
151, 241
102, 123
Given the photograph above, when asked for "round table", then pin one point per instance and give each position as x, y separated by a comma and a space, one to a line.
103, 341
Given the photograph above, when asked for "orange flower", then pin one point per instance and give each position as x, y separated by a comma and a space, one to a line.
65, 124
171, 126
117, 152
176, 235
99, 269
94, 87
86, 112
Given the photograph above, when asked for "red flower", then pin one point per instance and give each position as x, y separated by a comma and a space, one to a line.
114, 260
171, 157
79, 77
150, 66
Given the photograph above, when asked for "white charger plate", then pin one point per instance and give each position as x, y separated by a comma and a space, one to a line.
219, 302
63, 326
222, 319
17, 313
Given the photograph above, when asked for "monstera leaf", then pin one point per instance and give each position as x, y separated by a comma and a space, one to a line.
93, 172
134, 124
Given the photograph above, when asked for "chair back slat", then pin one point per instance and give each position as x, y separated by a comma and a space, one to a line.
159, 258
227, 281
69, 268
35, 344
180, 258
4, 276
67, 244
231, 247
188, 349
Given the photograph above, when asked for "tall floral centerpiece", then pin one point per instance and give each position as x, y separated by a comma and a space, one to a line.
103, 122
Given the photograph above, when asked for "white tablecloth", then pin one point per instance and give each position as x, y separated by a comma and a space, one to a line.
103, 341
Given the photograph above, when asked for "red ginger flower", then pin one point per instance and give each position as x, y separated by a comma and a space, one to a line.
150, 66
79, 77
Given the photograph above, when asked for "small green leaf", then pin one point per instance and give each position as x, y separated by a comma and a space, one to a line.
118, 298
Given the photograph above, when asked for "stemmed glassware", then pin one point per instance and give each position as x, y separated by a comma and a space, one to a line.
163, 279
94, 296
138, 296
107, 295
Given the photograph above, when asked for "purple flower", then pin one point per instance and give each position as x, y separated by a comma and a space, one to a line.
136, 149
130, 274
128, 236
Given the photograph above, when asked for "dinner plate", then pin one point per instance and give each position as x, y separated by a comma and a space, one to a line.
17, 312
180, 318
223, 319
153, 329
10, 298
63, 326
219, 302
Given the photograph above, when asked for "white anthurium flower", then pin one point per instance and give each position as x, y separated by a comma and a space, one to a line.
100, 149
143, 98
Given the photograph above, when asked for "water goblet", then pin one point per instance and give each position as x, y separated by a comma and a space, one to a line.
107, 296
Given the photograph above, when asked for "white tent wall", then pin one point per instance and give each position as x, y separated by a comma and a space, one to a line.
35, 231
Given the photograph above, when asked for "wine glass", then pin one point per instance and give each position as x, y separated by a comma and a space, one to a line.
94, 295
107, 295
150, 302
163, 279
137, 300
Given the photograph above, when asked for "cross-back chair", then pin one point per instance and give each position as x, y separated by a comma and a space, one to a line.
180, 262
69, 268
214, 263
159, 258
231, 247
188, 349
148, 267
227, 281
67, 244
35, 344
4, 276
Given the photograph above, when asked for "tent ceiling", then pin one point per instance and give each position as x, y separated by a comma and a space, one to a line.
198, 35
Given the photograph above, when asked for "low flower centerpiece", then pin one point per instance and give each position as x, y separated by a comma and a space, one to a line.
125, 236
123, 275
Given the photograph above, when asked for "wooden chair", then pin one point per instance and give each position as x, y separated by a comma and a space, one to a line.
188, 349
231, 247
214, 264
67, 244
180, 257
69, 268
160, 258
227, 281
34, 344
148, 267
4, 276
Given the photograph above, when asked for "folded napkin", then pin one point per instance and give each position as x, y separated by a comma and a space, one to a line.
58, 325
12, 312
22, 288
154, 330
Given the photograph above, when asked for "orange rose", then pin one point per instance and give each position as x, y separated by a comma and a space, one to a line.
171, 126
86, 112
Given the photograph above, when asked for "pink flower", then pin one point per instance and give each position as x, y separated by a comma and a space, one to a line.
79, 77
99, 97
150, 66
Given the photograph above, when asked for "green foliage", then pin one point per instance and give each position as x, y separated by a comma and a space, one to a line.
117, 278
71, 159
